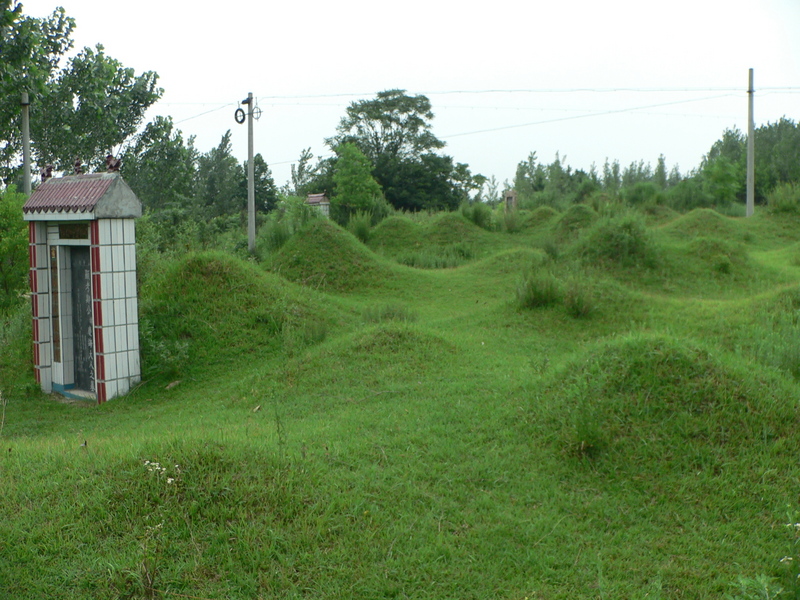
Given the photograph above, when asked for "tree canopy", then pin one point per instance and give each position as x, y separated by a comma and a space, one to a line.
82, 110
392, 124
394, 131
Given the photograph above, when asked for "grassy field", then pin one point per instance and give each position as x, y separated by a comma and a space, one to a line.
598, 405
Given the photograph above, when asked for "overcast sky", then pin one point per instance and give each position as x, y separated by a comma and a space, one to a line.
621, 79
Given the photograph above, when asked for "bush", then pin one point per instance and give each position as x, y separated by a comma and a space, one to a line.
578, 299
511, 221
359, 225
688, 195
642, 193
538, 289
479, 213
785, 198
445, 257
281, 224
623, 240
13, 249
576, 218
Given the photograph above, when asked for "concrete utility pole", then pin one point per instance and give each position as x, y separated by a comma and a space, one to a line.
751, 155
251, 186
26, 145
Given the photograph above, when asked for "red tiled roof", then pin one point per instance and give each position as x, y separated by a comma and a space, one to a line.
75, 193
317, 199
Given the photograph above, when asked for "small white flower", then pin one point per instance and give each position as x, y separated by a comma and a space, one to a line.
786, 559
170, 480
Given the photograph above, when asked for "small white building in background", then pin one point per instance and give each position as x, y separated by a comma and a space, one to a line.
83, 285
320, 202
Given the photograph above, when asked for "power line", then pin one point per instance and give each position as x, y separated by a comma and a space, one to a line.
586, 115
540, 91
228, 105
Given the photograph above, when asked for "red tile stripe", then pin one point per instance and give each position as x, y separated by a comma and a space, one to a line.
95, 253
101, 393
101, 368
98, 313
98, 340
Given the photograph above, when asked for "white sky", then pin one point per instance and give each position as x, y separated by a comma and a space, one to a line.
306, 61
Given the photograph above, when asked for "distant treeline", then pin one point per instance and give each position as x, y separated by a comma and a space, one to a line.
719, 181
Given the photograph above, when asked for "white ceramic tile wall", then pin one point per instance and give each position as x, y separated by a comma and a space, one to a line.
121, 335
122, 365
111, 366
133, 336
104, 231
130, 284
41, 256
109, 340
116, 231
69, 373
44, 331
106, 264
108, 313
120, 318
131, 311
119, 285
58, 372
45, 354
106, 284
129, 231
118, 258
134, 370
111, 389
46, 378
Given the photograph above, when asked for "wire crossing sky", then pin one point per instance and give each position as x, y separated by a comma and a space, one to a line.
625, 79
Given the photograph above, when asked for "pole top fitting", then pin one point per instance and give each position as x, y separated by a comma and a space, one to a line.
25, 100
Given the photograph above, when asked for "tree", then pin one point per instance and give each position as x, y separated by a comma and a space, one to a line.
356, 188
90, 109
393, 124
394, 132
219, 177
84, 110
13, 248
266, 194
30, 50
160, 167
660, 175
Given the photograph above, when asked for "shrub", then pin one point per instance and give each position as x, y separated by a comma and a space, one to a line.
359, 225
576, 218
688, 195
578, 298
511, 221
479, 213
642, 193
538, 289
13, 249
281, 224
444, 257
623, 240
785, 198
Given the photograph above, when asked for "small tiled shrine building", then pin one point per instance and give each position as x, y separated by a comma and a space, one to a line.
83, 285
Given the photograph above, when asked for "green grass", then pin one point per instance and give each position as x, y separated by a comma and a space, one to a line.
346, 426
